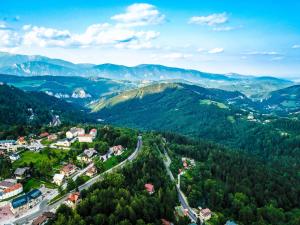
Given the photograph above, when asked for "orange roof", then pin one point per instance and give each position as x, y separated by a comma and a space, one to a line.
13, 188
165, 222
45, 134
74, 197
21, 138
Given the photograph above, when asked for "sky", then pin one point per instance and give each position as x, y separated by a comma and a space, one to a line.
218, 36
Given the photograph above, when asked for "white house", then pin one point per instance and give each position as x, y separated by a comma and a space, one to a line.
11, 191
13, 157
63, 143
74, 132
58, 179
85, 138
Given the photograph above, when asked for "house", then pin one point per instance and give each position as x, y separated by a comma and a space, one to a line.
85, 138
21, 141
7, 183
13, 157
21, 173
93, 133
11, 191
44, 134
58, 179
25, 202
73, 199
63, 143
87, 155
149, 188
55, 121
166, 222
52, 137
117, 150
44, 218
188, 162
35, 146
205, 214
74, 132
91, 171
68, 170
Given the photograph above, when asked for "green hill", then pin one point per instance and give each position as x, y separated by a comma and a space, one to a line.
212, 114
18, 107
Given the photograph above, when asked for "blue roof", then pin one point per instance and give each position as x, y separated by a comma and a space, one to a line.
230, 223
20, 201
34, 194
7, 141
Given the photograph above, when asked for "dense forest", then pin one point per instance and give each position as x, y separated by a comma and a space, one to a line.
236, 185
34, 108
120, 198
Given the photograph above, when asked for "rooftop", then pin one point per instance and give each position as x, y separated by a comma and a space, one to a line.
13, 188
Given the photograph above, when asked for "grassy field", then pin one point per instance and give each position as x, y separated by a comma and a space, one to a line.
33, 183
210, 102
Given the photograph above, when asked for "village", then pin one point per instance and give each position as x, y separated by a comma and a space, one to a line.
76, 156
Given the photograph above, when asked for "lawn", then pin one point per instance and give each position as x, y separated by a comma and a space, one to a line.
210, 102
112, 161
28, 157
33, 183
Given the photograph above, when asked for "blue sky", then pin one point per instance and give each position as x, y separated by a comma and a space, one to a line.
220, 36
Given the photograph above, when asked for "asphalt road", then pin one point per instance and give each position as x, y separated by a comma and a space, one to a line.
44, 207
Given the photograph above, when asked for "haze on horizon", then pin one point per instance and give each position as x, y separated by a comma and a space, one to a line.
213, 36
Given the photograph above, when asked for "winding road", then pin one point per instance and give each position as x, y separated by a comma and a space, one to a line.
44, 207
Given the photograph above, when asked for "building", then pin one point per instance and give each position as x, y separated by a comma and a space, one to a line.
149, 188
68, 170
117, 150
205, 214
87, 155
8, 145
74, 132
21, 141
58, 179
180, 211
85, 138
44, 218
55, 121
91, 171
229, 222
14, 157
73, 200
5, 212
11, 191
64, 142
25, 202
52, 137
44, 134
7, 183
93, 133
22, 173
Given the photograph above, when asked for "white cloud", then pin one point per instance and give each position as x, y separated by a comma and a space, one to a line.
8, 37
139, 14
272, 53
296, 46
227, 28
176, 56
45, 37
216, 50
210, 20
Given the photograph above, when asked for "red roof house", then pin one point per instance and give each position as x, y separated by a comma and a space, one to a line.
149, 188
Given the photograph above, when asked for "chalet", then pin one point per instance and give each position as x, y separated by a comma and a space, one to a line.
91, 171
205, 214
68, 170
117, 150
58, 179
14, 157
25, 202
149, 188
73, 199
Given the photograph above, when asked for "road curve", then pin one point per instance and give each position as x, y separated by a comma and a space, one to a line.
44, 207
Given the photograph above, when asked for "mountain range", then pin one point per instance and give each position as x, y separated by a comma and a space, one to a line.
23, 65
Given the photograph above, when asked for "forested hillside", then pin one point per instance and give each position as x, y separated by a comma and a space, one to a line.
236, 185
23, 108
224, 117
